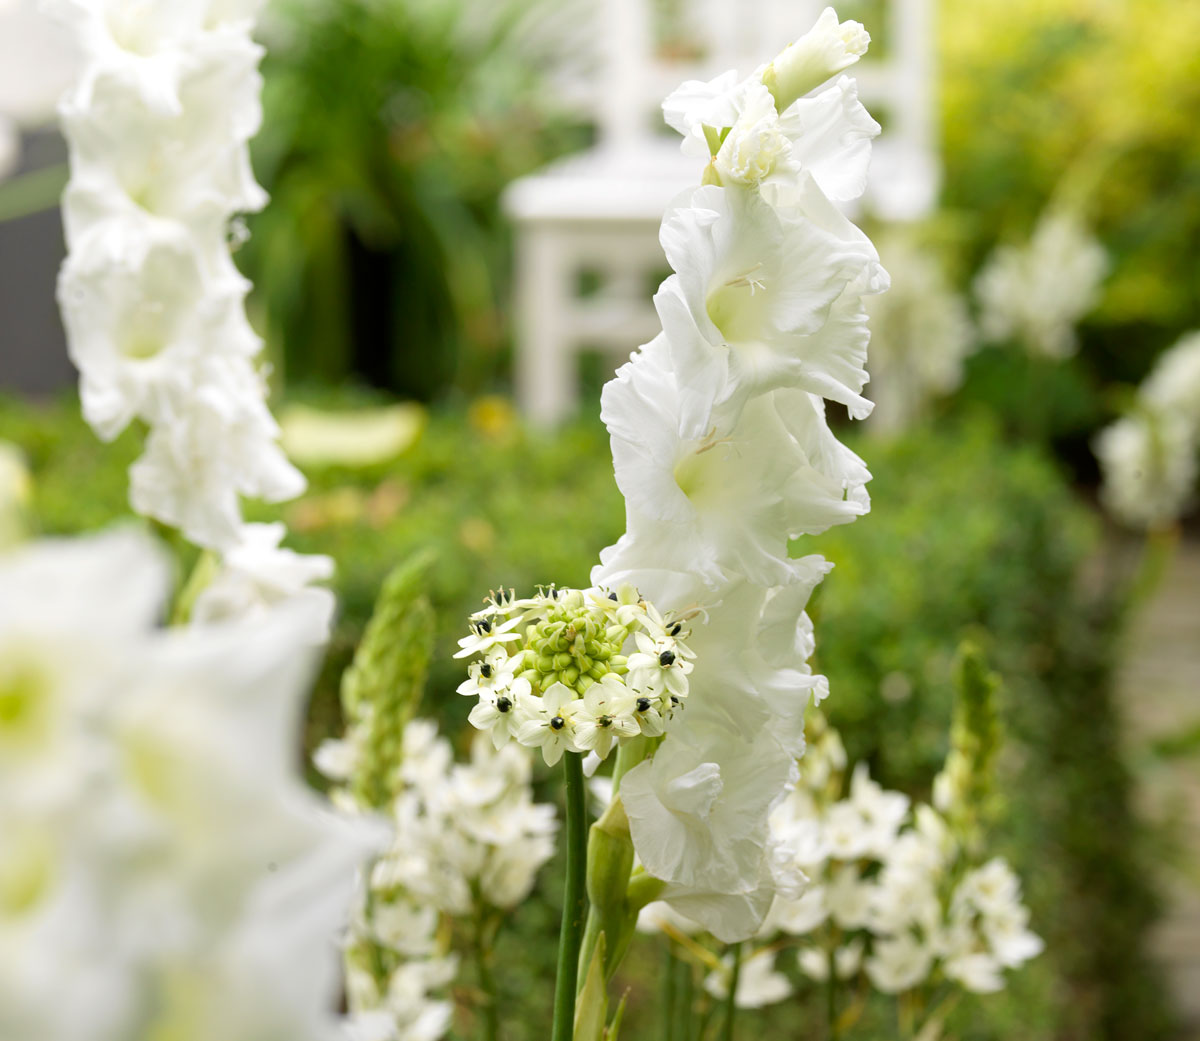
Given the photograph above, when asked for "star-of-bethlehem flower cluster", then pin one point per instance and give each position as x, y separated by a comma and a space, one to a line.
892, 893
552, 672
158, 122
469, 842
722, 450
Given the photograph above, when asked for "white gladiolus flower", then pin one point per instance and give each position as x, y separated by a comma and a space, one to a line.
723, 453
218, 445
257, 575
721, 501
137, 312
165, 869
700, 821
158, 121
825, 50
752, 295
1038, 293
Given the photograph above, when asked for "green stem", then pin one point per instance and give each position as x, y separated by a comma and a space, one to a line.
574, 900
607, 911
831, 996
685, 996
487, 980
731, 998
666, 1006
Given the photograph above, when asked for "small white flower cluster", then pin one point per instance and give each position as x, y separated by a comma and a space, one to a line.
158, 122
164, 869
895, 895
1038, 293
468, 838
921, 332
1149, 457
553, 672
723, 453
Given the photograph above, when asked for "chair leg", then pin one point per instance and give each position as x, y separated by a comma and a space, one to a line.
546, 383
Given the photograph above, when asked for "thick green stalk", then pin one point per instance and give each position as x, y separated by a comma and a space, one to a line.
666, 1004
574, 900
731, 998
487, 980
610, 860
685, 990
831, 995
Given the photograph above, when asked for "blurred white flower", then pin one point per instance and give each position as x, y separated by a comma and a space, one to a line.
898, 963
1038, 293
158, 121
921, 333
1150, 457
1149, 462
170, 872
467, 839
758, 984
257, 575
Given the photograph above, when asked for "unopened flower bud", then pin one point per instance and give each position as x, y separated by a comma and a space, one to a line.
825, 50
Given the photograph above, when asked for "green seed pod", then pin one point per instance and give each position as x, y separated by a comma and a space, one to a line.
570, 675
544, 663
561, 661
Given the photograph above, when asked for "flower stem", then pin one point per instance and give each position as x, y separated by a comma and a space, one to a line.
731, 999
487, 981
574, 900
666, 1004
831, 997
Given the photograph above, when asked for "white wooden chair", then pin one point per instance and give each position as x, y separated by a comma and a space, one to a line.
600, 211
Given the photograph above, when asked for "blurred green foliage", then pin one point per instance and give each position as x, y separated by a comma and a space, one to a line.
971, 538
390, 128
1093, 105
968, 537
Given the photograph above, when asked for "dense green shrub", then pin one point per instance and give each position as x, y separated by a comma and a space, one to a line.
390, 128
967, 536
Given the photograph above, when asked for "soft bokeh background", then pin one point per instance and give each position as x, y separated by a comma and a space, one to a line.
386, 270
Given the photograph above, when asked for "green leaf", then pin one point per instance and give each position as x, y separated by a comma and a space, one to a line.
591, 1007
615, 1026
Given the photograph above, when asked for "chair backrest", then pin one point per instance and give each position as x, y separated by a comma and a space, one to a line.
647, 47
650, 47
